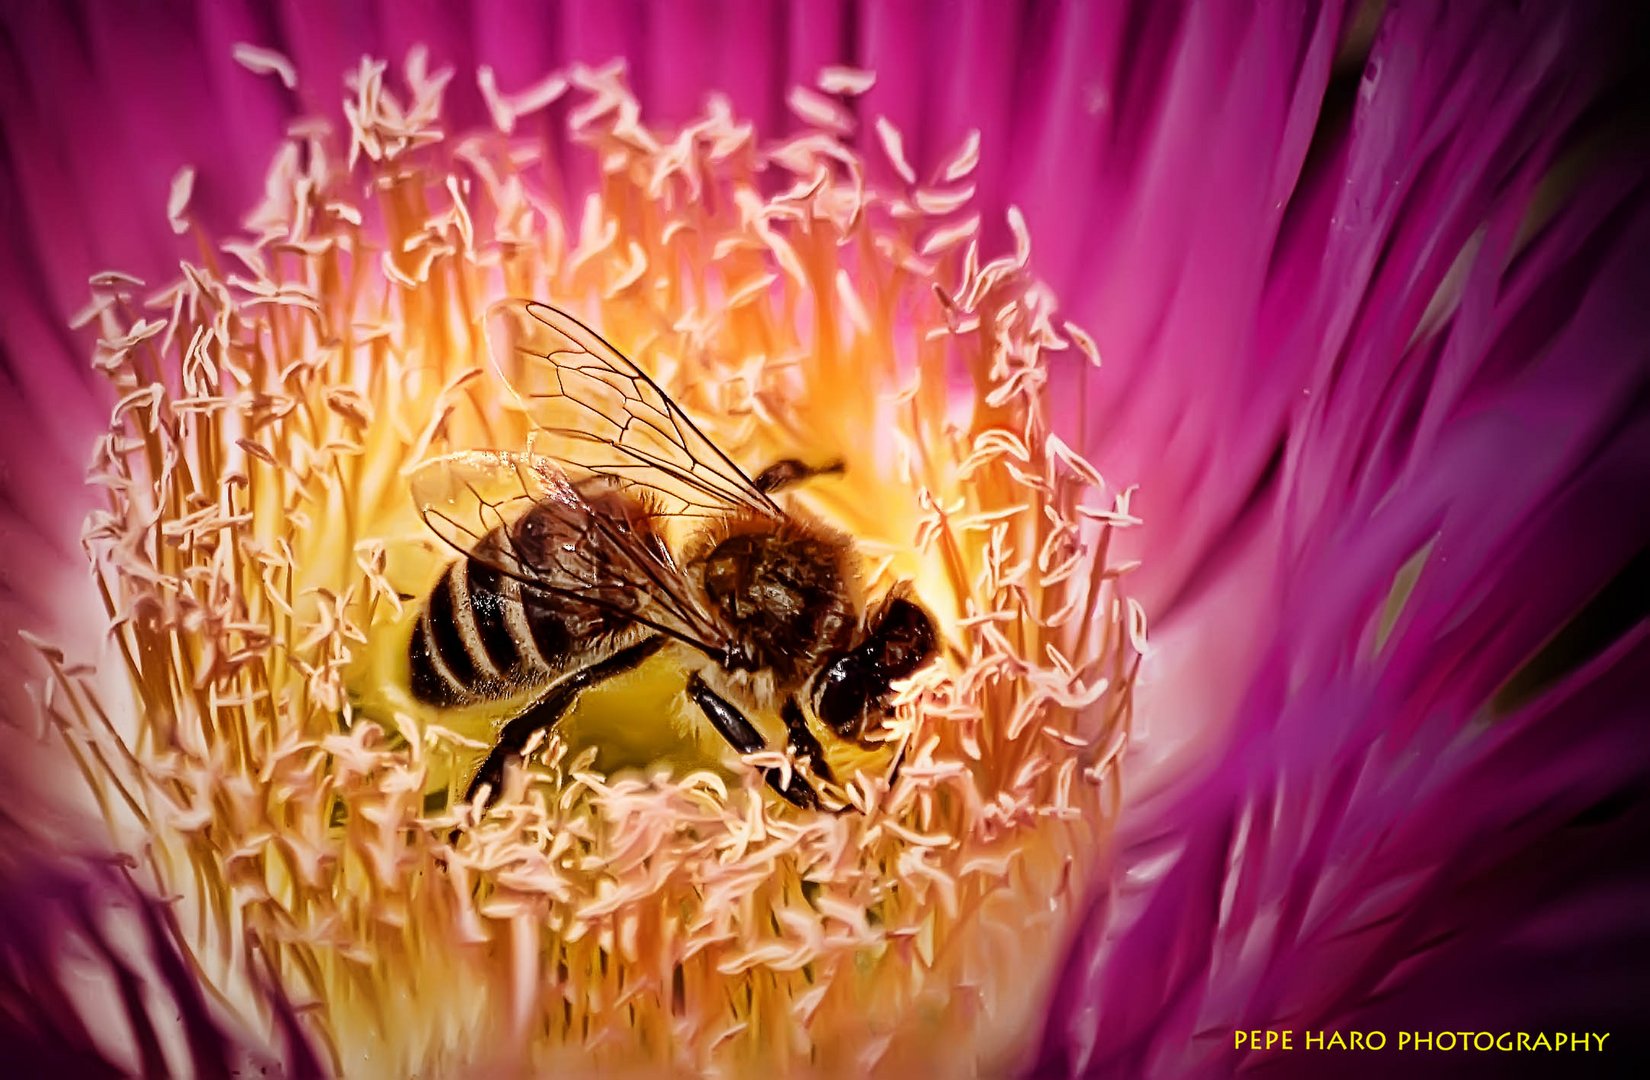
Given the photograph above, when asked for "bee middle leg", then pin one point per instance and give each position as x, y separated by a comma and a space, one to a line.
731, 724
789, 471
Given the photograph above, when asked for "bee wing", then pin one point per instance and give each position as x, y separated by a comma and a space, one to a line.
575, 385
473, 500
464, 497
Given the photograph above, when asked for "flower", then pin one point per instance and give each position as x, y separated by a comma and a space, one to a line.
258, 546
1312, 369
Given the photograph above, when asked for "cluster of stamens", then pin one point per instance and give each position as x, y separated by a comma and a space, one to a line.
255, 533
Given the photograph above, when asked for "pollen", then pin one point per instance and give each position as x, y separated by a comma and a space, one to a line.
255, 541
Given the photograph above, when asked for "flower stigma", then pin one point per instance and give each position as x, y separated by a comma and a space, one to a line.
261, 560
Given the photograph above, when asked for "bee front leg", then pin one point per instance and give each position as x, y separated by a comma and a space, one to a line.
803, 743
731, 724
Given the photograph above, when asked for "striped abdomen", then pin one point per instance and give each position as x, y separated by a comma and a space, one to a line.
477, 638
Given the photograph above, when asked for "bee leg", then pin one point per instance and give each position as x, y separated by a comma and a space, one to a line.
803, 743
548, 710
785, 473
731, 724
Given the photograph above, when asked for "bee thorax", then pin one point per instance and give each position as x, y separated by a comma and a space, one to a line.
784, 597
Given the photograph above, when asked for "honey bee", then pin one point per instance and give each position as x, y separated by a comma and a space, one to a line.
568, 578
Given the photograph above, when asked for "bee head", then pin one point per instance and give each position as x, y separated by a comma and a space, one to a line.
854, 685
901, 637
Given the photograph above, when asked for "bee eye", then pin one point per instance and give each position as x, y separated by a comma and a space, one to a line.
905, 638
841, 697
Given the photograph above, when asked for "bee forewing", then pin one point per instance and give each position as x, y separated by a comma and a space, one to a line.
605, 415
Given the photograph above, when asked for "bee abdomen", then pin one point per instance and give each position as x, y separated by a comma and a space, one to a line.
493, 602
475, 640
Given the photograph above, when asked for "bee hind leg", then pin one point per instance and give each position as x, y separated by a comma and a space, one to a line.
548, 710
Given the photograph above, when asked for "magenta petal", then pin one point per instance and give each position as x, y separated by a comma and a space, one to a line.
1373, 819
76, 923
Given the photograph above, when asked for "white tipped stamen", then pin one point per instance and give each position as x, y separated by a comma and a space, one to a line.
820, 111
847, 81
504, 117
964, 161
893, 144
177, 200
262, 61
